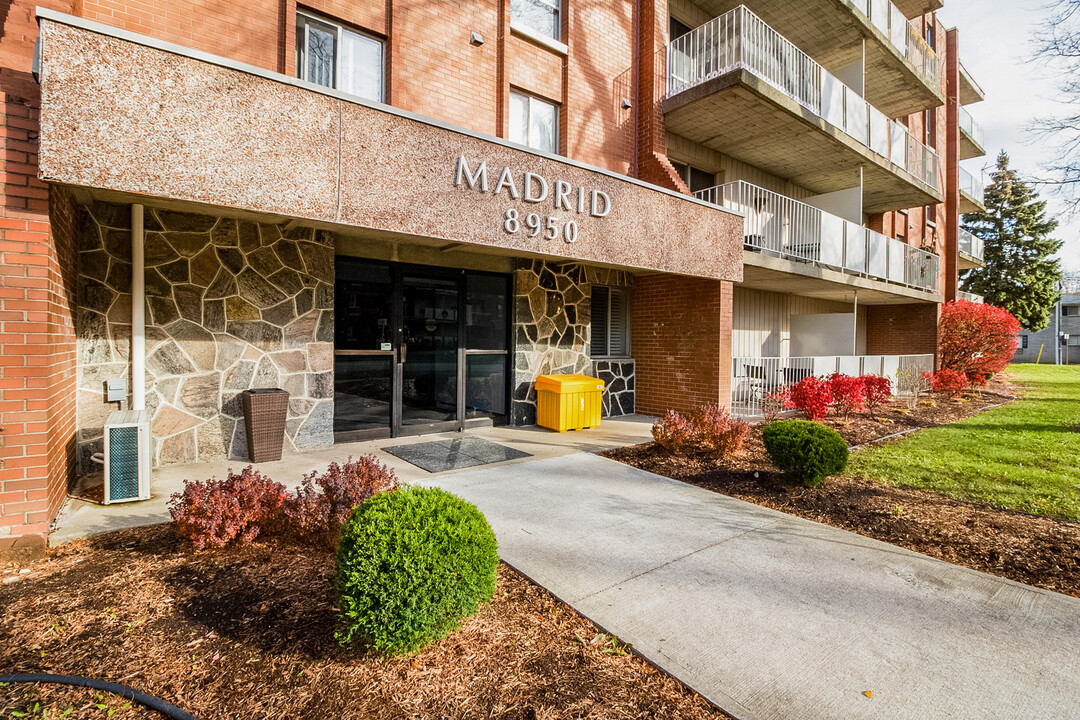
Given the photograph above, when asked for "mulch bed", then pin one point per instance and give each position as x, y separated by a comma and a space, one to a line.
247, 632
1034, 550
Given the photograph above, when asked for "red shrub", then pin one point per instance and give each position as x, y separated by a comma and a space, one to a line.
950, 381
324, 502
877, 391
673, 432
976, 339
717, 431
848, 394
214, 512
812, 396
775, 403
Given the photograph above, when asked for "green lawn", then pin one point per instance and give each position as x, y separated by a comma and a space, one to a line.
1024, 456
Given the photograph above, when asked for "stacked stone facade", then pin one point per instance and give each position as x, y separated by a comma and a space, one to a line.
230, 305
552, 326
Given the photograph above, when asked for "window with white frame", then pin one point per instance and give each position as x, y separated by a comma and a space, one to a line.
534, 122
540, 16
336, 57
1070, 310
610, 322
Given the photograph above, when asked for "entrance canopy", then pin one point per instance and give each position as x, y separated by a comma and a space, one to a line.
126, 113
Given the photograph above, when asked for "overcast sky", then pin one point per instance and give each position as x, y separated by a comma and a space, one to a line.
996, 48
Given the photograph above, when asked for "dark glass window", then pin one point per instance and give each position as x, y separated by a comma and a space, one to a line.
486, 297
677, 29
362, 305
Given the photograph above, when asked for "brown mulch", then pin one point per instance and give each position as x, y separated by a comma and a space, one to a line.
247, 632
1034, 550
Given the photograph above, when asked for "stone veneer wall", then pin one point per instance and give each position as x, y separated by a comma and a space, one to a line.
551, 329
619, 394
231, 305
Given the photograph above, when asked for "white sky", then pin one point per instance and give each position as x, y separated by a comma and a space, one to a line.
996, 47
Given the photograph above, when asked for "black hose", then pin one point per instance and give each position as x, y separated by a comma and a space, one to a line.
115, 688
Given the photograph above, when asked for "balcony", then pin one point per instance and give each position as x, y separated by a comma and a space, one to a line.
970, 92
915, 8
779, 226
736, 86
971, 251
971, 192
755, 378
971, 136
970, 297
902, 74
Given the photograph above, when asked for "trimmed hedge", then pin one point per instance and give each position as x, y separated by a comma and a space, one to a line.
805, 450
411, 564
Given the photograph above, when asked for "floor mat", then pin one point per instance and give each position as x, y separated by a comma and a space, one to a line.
442, 455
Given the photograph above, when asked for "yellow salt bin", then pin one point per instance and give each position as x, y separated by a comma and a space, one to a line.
568, 402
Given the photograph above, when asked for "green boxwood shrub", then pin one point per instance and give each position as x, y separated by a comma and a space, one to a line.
411, 564
805, 450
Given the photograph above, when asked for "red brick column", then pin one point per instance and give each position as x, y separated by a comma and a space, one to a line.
952, 166
681, 340
652, 161
37, 337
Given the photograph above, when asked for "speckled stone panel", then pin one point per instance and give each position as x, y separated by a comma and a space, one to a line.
230, 305
126, 117
552, 326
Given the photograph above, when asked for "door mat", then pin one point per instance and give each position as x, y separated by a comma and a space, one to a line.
441, 455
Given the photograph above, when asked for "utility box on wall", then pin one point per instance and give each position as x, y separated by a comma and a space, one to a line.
127, 457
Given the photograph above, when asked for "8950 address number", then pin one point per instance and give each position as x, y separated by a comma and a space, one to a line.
534, 224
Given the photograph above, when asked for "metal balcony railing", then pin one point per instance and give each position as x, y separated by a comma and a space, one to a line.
779, 225
972, 186
971, 245
754, 379
970, 297
887, 18
969, 126
739, 39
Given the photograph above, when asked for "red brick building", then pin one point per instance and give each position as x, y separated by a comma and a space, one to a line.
403, 212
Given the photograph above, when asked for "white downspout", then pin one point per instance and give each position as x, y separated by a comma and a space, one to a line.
855, 326
138, 311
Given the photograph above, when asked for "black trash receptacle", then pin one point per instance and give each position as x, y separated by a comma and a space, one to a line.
265, 410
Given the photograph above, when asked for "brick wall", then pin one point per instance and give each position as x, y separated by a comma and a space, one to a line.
681, 339
37, 349
902, 329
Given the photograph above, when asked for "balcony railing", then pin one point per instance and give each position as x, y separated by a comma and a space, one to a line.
971, 245
887, 18
779, 225
972, 186
754, 379
969, 126
970, 297
739, 39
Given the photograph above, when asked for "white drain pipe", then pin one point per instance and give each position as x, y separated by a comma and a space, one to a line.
138, 311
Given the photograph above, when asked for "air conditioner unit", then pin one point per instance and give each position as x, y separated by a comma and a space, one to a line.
127, 456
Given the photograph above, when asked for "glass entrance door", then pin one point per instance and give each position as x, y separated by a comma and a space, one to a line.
418, 349
428, 356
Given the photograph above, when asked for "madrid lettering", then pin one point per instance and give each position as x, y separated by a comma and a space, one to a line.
536, 189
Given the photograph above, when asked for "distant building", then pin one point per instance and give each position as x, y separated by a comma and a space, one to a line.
1029, 343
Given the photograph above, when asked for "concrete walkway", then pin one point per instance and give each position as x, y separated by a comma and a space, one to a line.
771, 616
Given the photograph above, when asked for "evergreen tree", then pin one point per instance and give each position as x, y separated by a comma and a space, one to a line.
1019, 275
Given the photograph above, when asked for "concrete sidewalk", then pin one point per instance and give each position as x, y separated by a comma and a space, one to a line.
771, 616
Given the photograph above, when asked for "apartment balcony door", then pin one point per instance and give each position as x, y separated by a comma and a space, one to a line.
417, 349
